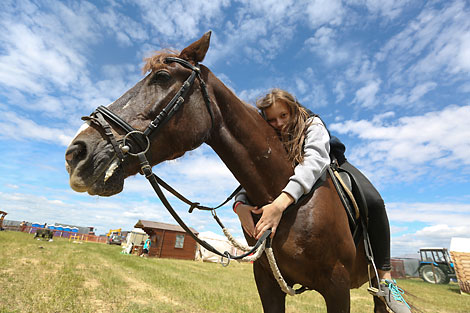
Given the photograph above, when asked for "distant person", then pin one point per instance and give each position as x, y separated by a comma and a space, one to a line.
146, 249
22, 226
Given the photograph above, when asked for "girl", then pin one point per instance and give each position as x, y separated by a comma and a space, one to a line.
307, 143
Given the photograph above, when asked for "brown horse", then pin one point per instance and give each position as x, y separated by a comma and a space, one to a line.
313, 246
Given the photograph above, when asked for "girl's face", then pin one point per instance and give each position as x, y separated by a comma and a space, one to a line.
277, 115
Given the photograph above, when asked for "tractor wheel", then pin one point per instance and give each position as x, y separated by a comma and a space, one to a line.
438, 277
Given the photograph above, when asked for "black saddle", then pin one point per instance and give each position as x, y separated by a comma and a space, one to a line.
352, 197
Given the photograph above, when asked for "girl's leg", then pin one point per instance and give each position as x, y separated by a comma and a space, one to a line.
379, 235
378, 225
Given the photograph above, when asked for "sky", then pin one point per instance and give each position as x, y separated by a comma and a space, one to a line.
391, 79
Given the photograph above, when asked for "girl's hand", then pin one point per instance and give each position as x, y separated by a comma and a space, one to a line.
272, 214
246, 219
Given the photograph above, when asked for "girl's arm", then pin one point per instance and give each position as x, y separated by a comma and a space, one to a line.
243, 208
272, 214
316, 159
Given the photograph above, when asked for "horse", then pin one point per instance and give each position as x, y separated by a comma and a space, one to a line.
313, 245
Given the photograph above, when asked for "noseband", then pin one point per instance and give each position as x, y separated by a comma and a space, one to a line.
134, 137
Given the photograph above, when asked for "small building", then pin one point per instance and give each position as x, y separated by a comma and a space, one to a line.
169, 241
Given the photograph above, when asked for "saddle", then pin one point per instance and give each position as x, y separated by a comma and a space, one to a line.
352, 197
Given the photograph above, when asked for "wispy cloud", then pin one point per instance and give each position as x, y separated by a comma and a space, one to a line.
438, 138
388, 8
326, 46
433, 236
435, 43
181, 19
19, 128
366, 96
444, 221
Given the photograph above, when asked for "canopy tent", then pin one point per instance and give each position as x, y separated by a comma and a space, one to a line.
458, 244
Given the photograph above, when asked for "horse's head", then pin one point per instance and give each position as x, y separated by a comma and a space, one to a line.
150, 116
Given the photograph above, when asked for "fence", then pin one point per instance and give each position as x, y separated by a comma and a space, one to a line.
59, 233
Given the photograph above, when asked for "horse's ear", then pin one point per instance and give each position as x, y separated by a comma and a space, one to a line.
196, 51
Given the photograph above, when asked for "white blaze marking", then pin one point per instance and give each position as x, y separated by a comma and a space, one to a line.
82, 128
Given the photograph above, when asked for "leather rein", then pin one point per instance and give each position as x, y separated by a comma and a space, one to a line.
137, 143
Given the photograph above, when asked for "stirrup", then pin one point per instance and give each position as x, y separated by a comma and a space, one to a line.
375, 291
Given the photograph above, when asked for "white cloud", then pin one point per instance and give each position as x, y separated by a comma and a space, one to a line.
126, 30
18, 128
251, 95
302, 86
436, 44
321, 12
40, 49
455, 214
445, 220
442, 139
324, 44
199, 175
438, 236
388, 8
366, 96
420, 90
463, 55
340, 91
182, 19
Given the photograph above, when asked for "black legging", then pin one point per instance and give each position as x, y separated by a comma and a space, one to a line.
378, 228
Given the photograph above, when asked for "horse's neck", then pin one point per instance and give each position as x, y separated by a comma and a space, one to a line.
249, 147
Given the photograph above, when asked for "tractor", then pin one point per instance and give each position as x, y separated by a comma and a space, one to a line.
436, 266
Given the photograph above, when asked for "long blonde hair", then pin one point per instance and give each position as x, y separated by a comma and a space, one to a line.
292, 134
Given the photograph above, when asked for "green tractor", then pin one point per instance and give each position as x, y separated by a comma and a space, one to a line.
436, 266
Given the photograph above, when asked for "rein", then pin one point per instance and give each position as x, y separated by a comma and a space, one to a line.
137, 143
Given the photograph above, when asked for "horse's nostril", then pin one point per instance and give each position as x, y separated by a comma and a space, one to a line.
75, 152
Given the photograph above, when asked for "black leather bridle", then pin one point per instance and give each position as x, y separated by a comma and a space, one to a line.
137, 143
134, 137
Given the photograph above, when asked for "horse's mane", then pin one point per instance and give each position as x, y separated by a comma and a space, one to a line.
154, 62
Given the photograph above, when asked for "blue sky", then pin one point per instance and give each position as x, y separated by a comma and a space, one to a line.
390, 78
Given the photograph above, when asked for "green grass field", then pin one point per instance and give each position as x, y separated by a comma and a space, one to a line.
61, 276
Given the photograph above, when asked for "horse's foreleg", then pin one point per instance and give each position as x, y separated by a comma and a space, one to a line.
272, 297
337, 291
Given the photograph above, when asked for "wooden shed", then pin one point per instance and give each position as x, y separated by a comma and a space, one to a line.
169, 241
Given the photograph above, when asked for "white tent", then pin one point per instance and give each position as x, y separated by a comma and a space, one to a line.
460, 244
219, 242
134, 238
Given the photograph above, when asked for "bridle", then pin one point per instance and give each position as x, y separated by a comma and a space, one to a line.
141, 139
136, 143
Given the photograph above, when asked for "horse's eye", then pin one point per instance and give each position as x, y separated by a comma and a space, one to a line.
160, 77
